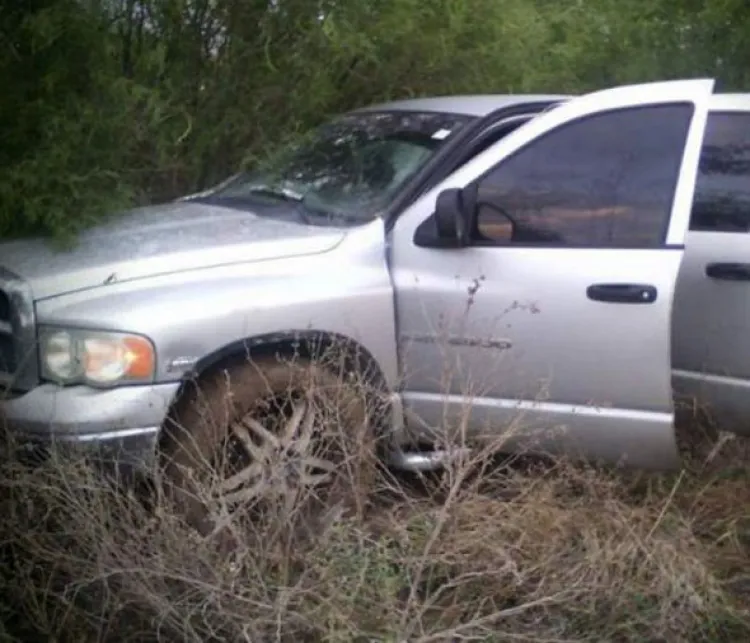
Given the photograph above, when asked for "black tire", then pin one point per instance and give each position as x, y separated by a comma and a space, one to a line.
227, 401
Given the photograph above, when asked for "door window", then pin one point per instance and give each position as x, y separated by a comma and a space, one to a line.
722, 188
607, 180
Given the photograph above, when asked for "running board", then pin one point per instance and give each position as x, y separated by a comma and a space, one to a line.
423, 460
397, 458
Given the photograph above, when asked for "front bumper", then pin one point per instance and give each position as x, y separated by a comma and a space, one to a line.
121, 423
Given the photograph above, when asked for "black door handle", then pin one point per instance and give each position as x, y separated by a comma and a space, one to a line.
729, 271
622, 293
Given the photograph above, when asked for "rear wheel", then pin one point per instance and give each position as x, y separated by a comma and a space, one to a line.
289, 437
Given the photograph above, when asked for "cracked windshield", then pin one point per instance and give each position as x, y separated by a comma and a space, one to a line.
349, 169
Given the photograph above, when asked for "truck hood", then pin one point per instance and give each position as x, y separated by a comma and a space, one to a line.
159, 240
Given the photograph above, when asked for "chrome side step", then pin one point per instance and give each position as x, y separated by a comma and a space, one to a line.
423, 460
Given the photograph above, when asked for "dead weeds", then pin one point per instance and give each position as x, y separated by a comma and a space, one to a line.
556, 553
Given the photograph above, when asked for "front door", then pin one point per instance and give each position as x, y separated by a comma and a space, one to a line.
554, 323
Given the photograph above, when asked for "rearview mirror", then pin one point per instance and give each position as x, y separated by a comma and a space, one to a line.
451, 220
451, 223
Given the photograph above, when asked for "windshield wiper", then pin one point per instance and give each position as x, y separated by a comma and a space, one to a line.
279, 192
308, 213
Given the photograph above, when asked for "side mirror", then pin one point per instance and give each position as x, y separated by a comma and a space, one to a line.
449, 226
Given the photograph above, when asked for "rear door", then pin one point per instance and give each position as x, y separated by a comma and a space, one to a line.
711, 338
558, 313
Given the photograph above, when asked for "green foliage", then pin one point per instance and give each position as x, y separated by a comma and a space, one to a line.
119, 102
72, 126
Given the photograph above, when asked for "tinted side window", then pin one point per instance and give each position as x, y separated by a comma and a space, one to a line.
607, 180
722, 191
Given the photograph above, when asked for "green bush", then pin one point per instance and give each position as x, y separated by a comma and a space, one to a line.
110, 104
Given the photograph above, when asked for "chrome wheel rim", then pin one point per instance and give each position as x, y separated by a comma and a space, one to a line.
280, 463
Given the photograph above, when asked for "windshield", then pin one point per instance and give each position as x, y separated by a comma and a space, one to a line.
350, 168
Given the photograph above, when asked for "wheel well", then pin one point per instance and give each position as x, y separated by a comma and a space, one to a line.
301, 344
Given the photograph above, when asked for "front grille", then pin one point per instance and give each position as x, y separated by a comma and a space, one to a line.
18, 371
4, 308
7, 354
7, 345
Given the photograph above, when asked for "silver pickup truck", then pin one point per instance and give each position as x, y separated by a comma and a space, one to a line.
581, 263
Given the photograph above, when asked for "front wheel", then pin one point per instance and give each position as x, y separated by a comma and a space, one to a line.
270, 435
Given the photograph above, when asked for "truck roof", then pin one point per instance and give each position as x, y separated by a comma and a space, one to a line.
480, 105
730, 102
468, 104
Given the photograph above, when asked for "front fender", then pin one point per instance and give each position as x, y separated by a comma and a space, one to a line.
346, 292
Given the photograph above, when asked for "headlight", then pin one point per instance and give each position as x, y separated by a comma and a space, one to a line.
95, 357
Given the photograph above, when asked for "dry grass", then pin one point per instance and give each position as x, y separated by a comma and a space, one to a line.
523, 552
